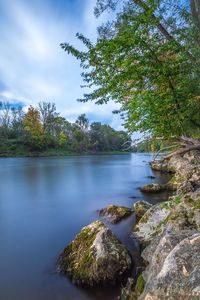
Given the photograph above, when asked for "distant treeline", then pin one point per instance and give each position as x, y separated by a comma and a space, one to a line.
43, 129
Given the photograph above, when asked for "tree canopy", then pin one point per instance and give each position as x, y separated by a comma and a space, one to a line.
148, 60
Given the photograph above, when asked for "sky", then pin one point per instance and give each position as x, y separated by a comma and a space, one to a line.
34, 68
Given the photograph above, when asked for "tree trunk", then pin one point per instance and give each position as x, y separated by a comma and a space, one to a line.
195, 11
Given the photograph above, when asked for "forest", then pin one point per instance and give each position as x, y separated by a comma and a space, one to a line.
42, 130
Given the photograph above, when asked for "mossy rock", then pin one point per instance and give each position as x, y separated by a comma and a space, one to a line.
162, 166
95, 256
114, 213
152, 188
140, 208
152, 223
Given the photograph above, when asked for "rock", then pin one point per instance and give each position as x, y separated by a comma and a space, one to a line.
171, 232
129, 292
114, 213
174, 268
162, 166
95, 256
152, 188
140, 208
151, 177
185, 211
151, 223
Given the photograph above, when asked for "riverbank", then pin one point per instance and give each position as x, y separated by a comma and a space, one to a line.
169, 236
56, 152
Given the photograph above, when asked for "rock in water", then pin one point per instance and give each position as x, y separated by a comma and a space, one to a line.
95, 256
152, 188
140, 208
114, 213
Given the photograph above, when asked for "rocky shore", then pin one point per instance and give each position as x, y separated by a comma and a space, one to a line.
168, 233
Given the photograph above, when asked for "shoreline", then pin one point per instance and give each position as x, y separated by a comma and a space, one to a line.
169, 235
66, 154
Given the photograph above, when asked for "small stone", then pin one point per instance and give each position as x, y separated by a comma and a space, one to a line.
185, 272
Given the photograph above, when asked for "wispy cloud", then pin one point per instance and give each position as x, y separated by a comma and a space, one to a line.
34, 68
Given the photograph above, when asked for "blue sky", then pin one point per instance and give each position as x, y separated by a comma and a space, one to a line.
34, 68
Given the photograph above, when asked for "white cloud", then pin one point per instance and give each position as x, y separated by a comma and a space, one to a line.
33, 66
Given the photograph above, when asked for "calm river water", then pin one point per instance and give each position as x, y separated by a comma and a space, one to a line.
44, 202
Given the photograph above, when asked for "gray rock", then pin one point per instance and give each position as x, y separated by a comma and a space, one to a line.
174, 269
95, 256
171, 231
152, 222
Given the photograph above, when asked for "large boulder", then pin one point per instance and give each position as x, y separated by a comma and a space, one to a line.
174, 267
114, 213
180, 213
95, 256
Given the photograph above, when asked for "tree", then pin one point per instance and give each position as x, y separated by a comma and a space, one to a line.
25, 131
48, 115
5, 118
82, 122
33, 127
148, 60
17, 121
195, 11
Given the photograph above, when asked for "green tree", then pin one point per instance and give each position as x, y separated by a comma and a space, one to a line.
148, 60
33, 127
48, 116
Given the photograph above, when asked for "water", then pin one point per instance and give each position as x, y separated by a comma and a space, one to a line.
44, 202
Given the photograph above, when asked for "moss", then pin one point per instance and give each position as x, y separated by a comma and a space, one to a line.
140, 285
120, 210
114, 213
193, 203
77, 260
145, 218
166, 205
177, 200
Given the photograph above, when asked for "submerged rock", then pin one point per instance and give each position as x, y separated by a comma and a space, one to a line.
95, 256
140, 208
152, 188
114, 213
151, 177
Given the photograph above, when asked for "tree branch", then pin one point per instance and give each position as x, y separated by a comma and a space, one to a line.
164, 31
